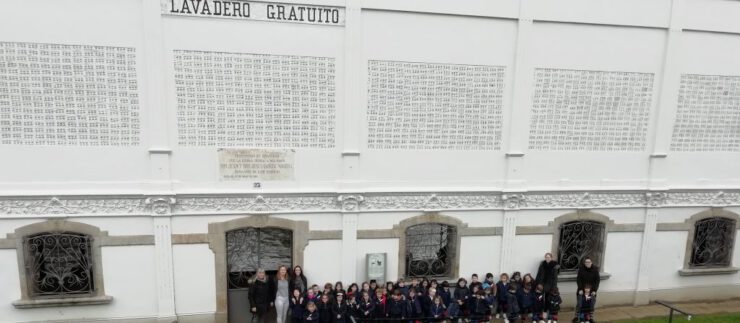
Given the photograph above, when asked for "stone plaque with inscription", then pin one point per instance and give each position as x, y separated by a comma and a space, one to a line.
256, 164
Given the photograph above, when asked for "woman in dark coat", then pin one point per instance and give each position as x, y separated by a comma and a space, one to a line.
298, 280
547, 274
261, 296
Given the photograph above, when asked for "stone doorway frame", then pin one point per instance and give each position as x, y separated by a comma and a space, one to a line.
399, 231
217, 243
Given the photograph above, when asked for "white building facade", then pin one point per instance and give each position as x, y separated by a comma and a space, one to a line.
144, 132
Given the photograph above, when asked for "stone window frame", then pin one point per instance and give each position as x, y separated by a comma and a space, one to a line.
399, 231
690, 225
96, 236
217, 243
581, 215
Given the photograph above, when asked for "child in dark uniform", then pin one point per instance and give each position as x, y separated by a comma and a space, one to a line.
297, 306
512, 305
312, 314
588, 300
396, 307
379, 311
479, 307
525, 296
553, 305
502, 288
540, 304
438, 310
324, 309
365, 307
340, 309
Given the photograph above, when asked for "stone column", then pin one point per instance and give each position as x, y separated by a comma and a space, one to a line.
161, 208
511, 203
642, 291
350, 206
507, 241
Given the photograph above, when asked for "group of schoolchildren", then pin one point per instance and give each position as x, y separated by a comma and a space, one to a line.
513, 300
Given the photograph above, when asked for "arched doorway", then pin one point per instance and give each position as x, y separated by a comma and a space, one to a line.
248, 249
229, 278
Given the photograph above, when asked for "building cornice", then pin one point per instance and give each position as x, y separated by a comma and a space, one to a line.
274, 203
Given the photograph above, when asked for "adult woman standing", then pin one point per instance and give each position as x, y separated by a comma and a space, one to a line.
261, 296
298, 280
588, 276
547, 274
282, 293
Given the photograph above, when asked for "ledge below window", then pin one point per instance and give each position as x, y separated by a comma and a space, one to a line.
708, 271
53, 302
572, 277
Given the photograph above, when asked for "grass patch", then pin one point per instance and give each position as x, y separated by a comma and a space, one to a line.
710, 318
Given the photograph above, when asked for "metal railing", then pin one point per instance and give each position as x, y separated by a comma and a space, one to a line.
673, 308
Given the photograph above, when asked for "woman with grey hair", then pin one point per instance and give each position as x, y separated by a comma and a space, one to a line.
261, 296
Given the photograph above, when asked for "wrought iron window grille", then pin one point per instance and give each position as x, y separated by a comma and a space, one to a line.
59, 265
713, 243
578, 240
430, 250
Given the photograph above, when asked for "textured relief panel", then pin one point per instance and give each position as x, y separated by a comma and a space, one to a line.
708, 116
434, 106
590, 110
252, 100
68, 95
369, 201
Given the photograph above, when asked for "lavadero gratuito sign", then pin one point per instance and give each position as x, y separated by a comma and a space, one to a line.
254, 10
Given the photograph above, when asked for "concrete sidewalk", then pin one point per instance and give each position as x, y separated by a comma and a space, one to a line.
609, 314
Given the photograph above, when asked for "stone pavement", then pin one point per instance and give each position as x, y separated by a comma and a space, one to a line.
615, 313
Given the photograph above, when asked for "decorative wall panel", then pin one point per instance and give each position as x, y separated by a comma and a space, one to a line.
68, 95
254, 100
708, 116
575, 110
434, 106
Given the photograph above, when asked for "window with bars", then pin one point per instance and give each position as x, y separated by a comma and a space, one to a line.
249, 249
714, 239
430, 250
59, 264
578, 240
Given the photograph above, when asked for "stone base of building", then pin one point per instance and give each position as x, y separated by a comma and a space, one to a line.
186, 318
684, 294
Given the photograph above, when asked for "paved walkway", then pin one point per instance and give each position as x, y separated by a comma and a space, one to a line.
608, 314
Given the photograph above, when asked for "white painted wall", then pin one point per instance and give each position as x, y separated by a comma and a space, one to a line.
668, 257
195, 291
385, 220
11, 279
128, 277
322, 262
528, 252
572, 34
480, 255
318, 221
558, 39
634, 12
79, 23
198, 223
479, 218
623, 266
